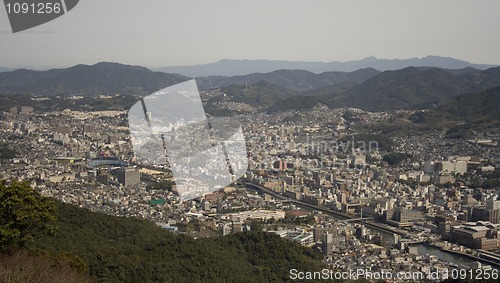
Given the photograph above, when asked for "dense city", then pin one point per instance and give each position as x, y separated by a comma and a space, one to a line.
419, 203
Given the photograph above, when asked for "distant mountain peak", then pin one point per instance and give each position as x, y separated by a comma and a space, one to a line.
117, 66
369, 59
233, 67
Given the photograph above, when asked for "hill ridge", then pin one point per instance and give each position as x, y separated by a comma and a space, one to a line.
233, 67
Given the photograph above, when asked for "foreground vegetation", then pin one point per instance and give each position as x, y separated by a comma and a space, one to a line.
112, 249
132, 250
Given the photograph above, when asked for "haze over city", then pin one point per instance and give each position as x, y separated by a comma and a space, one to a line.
172, 33
250, 141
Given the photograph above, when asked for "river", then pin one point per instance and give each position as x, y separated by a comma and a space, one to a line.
444, 256
421, 248
460, 260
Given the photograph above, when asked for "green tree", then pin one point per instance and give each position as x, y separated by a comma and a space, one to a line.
25, 215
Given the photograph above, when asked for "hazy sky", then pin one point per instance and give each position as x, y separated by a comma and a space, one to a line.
167, 33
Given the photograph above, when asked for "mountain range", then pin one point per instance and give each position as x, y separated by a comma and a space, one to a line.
298, 80
465, 108
402, 89
408, 88
413, 88
367, 89
101, 78
229, 67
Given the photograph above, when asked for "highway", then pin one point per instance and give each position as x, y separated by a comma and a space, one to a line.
323, 209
